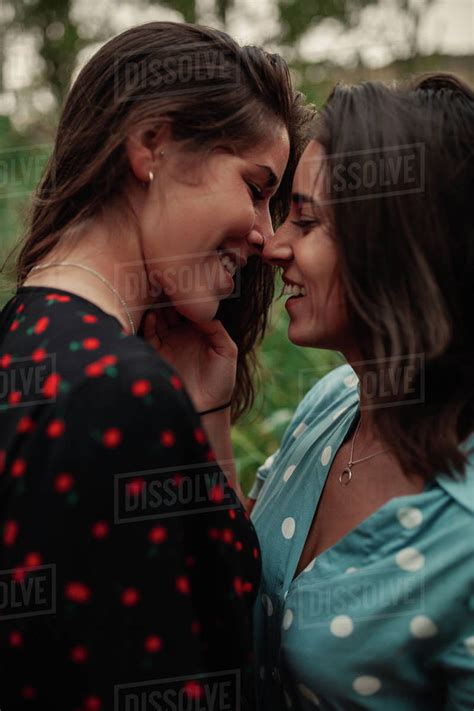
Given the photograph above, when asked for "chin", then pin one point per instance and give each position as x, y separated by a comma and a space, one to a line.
199, 312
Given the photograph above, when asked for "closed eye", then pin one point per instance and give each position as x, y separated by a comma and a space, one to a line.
257, 193
306, 224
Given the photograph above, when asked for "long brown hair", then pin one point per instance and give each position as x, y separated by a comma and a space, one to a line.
249, 92
406, 255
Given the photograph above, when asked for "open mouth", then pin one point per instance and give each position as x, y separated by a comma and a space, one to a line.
228, 261
293, 290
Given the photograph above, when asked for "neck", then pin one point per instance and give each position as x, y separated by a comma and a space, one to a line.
117, 259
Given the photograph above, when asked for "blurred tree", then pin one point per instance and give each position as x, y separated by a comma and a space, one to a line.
299, 16
59, 41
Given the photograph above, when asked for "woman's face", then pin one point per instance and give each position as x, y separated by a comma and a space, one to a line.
304, 249
202, 218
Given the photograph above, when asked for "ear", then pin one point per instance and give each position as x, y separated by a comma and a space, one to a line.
143, 146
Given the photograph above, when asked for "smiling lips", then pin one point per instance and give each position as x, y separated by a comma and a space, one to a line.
229, 262
291, 288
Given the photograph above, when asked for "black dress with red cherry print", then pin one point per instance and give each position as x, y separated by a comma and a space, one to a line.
128, 568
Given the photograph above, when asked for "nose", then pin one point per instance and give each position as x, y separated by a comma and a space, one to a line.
261, 231
278, 249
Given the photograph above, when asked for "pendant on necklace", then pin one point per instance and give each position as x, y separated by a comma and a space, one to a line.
345, 476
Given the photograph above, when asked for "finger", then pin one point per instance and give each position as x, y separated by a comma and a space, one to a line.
218, 336
150, 329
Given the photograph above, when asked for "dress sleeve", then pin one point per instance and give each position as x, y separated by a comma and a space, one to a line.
155, 562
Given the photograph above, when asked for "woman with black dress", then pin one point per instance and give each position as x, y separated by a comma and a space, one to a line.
128, 568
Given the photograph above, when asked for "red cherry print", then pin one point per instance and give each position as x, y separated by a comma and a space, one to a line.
211, 457
91, 344
38, 355
18, 468
28, 692
55, 429
182, 585
158, 534
199, 435
18, 574
232, 514
153, 644
216, 494
140, 388
92, 703
94, 370
247, 587
238, 546
100, 529
176, 382
77, 592
108, 360
196, 627
238, 587
167, 438
25, 424
14, 397
190, 561
130, 597
20, 308
16, 639
193, 689
41, 325
89, 318
14, 325
134, 487
3, 456
78, 654
32, 560
112, 438
214, 534
51, 385
227, 535
10, 532
256, 554
63, 482
5, 360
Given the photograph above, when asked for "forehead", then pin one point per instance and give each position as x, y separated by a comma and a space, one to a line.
273, 152
308, 174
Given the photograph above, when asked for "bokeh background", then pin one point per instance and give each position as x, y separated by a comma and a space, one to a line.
44, 43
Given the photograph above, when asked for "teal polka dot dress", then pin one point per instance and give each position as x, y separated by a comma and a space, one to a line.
384, 619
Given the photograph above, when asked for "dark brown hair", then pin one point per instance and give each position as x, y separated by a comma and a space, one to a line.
406, 255
133, 79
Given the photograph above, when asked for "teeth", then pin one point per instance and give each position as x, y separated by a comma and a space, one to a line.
293, 290
228, 263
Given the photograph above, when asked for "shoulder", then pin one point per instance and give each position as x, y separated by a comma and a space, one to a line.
335, 392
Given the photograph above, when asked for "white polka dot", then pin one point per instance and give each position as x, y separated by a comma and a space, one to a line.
366, 685
268, 462
339, 413
342, 626
410, 559
469, 643
300, 429
351, 569
262, 673
288, 527
309, 567
308, 694
422, 627
289, 472
287, 620
267, 604
351, 381
410, 516
326, 455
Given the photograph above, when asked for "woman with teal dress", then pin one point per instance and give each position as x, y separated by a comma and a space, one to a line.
365, 514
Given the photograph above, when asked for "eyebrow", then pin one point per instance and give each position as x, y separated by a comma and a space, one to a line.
301, 199
272, 180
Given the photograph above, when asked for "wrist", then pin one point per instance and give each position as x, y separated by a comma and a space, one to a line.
219, 408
